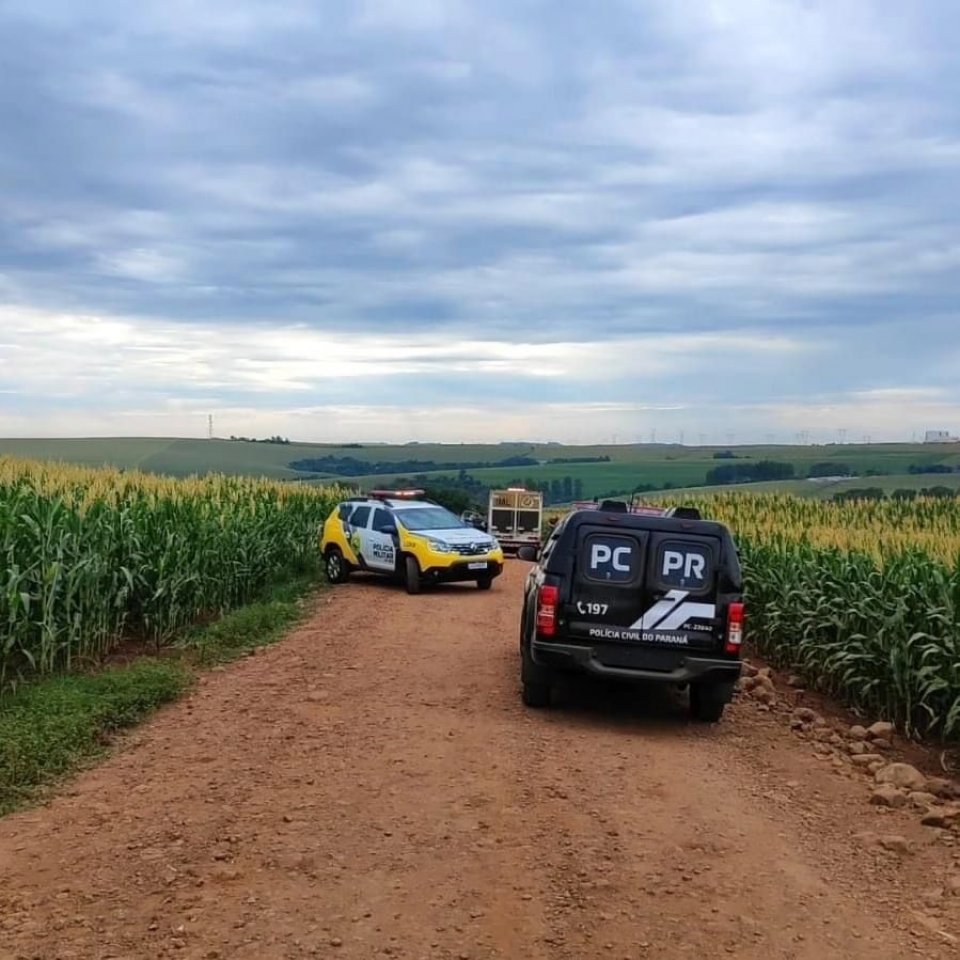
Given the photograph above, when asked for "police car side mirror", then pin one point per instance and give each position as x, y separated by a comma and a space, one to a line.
390, 530
531, 554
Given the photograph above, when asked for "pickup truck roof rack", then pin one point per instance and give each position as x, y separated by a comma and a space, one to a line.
685, 513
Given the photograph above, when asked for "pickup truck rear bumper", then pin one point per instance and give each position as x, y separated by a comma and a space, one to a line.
636, 663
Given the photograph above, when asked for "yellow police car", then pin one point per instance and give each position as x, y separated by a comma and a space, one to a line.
400, 534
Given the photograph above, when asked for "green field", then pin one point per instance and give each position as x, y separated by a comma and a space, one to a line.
630, 465
686, 467
824, 490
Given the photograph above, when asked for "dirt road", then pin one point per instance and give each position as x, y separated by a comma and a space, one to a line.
372, 787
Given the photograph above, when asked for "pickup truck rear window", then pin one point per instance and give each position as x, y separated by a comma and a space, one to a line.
608, 558
685, 565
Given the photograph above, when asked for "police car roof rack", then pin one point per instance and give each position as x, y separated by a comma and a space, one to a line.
613, 506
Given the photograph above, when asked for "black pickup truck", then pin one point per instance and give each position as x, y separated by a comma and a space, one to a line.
648, 595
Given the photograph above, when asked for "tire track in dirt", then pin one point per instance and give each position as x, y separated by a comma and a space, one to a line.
372, 787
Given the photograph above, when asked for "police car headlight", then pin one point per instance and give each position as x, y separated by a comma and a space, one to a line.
438, 546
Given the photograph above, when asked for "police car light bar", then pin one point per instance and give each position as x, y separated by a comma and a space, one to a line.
397, 494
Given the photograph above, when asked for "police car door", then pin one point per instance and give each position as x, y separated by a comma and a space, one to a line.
608, 596
379, 542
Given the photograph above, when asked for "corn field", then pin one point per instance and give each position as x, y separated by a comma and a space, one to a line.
90, 557
861, 599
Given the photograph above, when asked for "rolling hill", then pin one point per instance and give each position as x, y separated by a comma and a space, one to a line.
601, 469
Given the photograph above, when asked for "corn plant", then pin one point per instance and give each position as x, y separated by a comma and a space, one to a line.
89, 557
862, 599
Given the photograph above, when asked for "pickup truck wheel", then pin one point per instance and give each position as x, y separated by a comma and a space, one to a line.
536, 695
412, 577
535, 679
336, 567
484, 583
707, 701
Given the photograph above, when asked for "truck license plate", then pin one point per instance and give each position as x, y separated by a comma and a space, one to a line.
476, 566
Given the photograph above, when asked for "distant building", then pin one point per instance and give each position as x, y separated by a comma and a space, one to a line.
940, 436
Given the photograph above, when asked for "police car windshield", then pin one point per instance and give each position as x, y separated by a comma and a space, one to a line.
428, 518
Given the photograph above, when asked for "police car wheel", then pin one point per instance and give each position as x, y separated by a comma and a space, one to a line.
411, 575
485, 583
707, 701
336, 567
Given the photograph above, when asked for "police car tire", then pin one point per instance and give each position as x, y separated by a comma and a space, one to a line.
411, 575
485, 583
336, 566
707, 701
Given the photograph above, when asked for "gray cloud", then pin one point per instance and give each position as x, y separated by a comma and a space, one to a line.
551, 172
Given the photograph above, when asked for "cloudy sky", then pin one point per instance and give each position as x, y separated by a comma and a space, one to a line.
480, 219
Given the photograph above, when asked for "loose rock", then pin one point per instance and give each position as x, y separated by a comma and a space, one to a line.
923, 801
896, 844
940, 819
858, 733
765, 696
902, 775
806, 715
944, 789
865, 759
888, 796
881, 731
867, 838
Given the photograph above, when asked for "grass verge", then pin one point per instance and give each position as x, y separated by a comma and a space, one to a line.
51, 727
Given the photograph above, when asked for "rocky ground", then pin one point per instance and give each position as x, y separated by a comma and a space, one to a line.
372, 787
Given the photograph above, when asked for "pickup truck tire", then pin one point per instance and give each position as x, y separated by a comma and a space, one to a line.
536, 695
484, 583
535, 680
411, 575
707, 701
336, 566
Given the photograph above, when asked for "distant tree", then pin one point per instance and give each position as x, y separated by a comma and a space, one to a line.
750, 472
940, 492
830, 469
578, 489
859, 493
455, 500
568, 488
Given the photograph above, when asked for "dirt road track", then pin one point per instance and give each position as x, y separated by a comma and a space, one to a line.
372, 788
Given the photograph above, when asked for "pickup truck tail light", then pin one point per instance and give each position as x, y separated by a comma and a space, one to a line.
735, 618
547, 599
